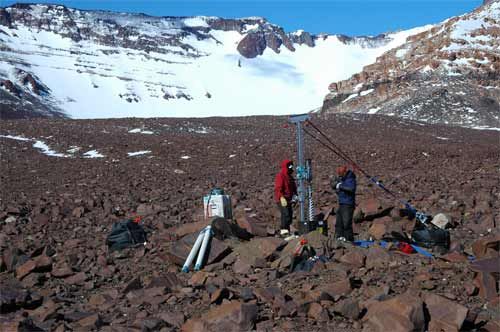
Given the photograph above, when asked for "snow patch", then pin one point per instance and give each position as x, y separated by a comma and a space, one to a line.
140, 131
138, 153
185, 157
48, 151
41, 145
201, 130
426, 69
358, 86
373, 110
17, 138
483, 61
250, 27
92, 154
366, 92
486, 128
196, 22
401, 52
354, 95
463, 28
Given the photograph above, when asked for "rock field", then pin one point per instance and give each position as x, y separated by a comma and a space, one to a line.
57, 274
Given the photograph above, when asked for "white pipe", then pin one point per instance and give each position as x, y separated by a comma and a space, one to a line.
204, 245
193, 252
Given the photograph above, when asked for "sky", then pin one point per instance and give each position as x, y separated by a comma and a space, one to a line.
349, 17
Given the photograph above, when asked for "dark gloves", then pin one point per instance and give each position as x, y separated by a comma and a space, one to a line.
335, 183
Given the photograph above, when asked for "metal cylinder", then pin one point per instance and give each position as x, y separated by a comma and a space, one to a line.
204, 245
309, 174
193, 252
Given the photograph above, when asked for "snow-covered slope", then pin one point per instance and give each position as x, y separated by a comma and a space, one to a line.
100, 65
448, 74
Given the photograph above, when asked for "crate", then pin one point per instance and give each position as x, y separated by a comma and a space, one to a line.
218, 206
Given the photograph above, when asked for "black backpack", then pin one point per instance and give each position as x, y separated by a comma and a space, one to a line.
125, 234
430, 236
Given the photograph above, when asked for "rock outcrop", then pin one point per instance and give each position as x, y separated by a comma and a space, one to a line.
252, 45
447, 74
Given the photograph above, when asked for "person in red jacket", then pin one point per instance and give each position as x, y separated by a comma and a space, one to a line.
285, 193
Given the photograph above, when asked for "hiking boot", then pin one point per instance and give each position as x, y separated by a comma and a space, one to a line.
284, 232
342, 242
291, 237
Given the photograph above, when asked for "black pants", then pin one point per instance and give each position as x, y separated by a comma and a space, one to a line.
286, 216
343, 224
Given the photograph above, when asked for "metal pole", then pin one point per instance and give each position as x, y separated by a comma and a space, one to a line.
301, 170
301, 191
308, 178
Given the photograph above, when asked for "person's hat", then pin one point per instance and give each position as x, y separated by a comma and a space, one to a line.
341, 170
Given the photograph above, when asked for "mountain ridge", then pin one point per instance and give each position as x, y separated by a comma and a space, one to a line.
447, 74
213, 22
137, 65
123, 65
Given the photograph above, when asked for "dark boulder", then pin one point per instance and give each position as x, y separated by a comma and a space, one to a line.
252, 45
5, 18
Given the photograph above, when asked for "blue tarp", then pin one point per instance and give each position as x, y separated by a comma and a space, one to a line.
385, 244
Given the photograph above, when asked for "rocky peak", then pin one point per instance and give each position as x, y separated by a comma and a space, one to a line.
302, 37
460, 52
136, 31
256, 41
365, 41
149, 33
252, 45
4, 17
225, 24
10, 86
32, 82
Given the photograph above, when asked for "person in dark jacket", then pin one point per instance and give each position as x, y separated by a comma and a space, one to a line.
285, 191
345, 186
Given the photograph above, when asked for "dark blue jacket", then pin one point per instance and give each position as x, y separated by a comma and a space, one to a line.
347, 189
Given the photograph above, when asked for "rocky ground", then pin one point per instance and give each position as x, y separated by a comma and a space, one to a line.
55, 213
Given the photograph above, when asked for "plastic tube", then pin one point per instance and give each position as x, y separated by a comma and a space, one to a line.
204, 245
193, 252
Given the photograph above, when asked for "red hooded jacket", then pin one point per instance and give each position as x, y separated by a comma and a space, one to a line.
284, 184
